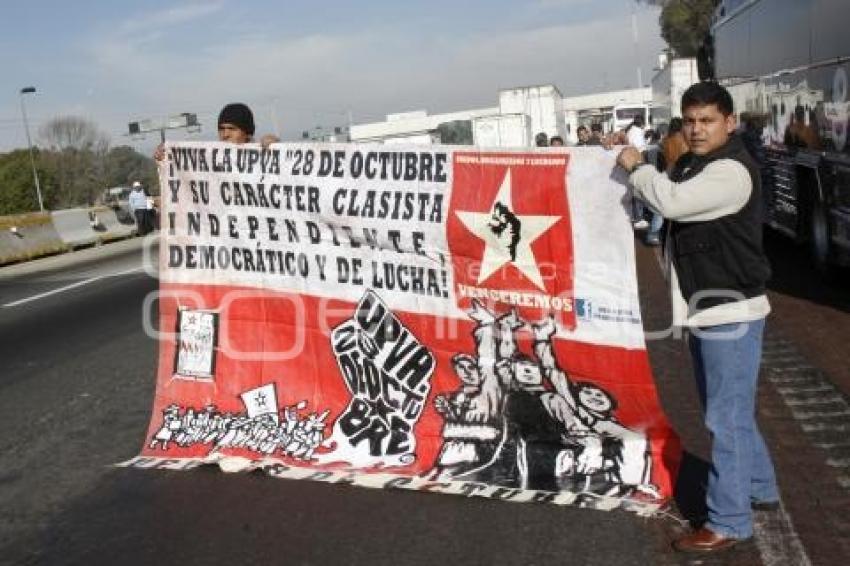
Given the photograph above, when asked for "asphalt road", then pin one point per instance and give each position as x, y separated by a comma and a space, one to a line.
76, 389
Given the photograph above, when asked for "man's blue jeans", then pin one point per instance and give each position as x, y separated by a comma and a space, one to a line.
726, 364
655, 224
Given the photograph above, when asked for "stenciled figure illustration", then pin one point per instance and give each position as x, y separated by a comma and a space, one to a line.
520, 421
170, 425
287, 432
506, 226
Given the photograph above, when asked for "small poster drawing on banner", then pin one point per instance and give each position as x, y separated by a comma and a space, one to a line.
197, 335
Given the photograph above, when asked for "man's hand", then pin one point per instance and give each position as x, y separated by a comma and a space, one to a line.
268, 139
629, 158
159, 153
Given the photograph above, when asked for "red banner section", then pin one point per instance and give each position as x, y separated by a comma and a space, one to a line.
439, 319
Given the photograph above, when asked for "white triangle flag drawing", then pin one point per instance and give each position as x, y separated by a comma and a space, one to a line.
261, 401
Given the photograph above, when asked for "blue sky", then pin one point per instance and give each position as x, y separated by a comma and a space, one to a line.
300, 64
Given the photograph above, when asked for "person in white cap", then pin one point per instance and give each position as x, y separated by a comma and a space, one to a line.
138, 203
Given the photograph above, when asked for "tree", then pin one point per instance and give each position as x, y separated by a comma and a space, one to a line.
17, 188
76, 156
125, 165
458, 132
684, 23
74, 169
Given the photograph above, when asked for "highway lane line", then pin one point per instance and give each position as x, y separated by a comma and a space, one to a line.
69, 287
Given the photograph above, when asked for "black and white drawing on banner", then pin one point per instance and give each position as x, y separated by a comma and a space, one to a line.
518, 421
197, 337
387, 370
261, 428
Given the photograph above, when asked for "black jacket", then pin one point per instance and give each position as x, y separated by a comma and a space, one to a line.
722, 260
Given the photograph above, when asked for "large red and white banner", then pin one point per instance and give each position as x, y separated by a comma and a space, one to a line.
440, 318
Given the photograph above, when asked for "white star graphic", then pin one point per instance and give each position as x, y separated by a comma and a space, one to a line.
497, 246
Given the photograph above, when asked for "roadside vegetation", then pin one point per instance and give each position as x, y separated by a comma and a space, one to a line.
75, 164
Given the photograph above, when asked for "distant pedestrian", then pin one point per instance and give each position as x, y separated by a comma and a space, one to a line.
595, 134
799, 133
673, 146
652, 136
541, 140
635, 137
635, 133
583, 135
712, 198
138, 204
556, 141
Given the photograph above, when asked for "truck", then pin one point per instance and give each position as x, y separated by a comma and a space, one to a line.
668, 84
502, 130
117, 198
624, 114
543, 104
787, 65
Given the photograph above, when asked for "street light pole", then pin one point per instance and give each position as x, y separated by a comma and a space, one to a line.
30, 90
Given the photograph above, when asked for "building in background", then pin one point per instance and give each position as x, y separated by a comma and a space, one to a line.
668, 85
521, 114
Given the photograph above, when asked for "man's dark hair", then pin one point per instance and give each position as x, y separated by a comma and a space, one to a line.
639, 121
596, 127
708, 93
556, 141
581, 128
675, 125
541, 139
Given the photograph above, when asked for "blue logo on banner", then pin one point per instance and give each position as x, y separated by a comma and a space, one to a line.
584, 309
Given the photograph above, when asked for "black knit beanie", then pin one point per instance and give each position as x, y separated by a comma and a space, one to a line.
239, 115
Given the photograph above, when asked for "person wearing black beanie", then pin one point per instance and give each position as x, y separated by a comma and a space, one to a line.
236, 123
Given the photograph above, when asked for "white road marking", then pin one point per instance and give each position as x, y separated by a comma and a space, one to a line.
777, 541
791, 369
824, 427
69, 287
806, 415
809, 402
831, 445
775, 358
802, 390
776, 380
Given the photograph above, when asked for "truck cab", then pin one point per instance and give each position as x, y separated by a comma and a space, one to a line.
623, 114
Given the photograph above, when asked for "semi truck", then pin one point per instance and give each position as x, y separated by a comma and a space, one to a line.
787, 65
624, 114
503, 130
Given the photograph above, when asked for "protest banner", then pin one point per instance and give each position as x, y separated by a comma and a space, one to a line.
438, 318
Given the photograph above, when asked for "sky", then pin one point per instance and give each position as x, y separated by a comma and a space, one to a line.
304, 64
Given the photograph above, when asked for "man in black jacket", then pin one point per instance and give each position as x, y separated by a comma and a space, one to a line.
712, 199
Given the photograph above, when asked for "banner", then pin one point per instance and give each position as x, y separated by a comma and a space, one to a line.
439, 318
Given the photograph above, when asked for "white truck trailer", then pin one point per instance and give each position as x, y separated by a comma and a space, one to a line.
668, 85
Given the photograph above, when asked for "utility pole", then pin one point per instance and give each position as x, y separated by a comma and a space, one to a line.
31, 90
637, 45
